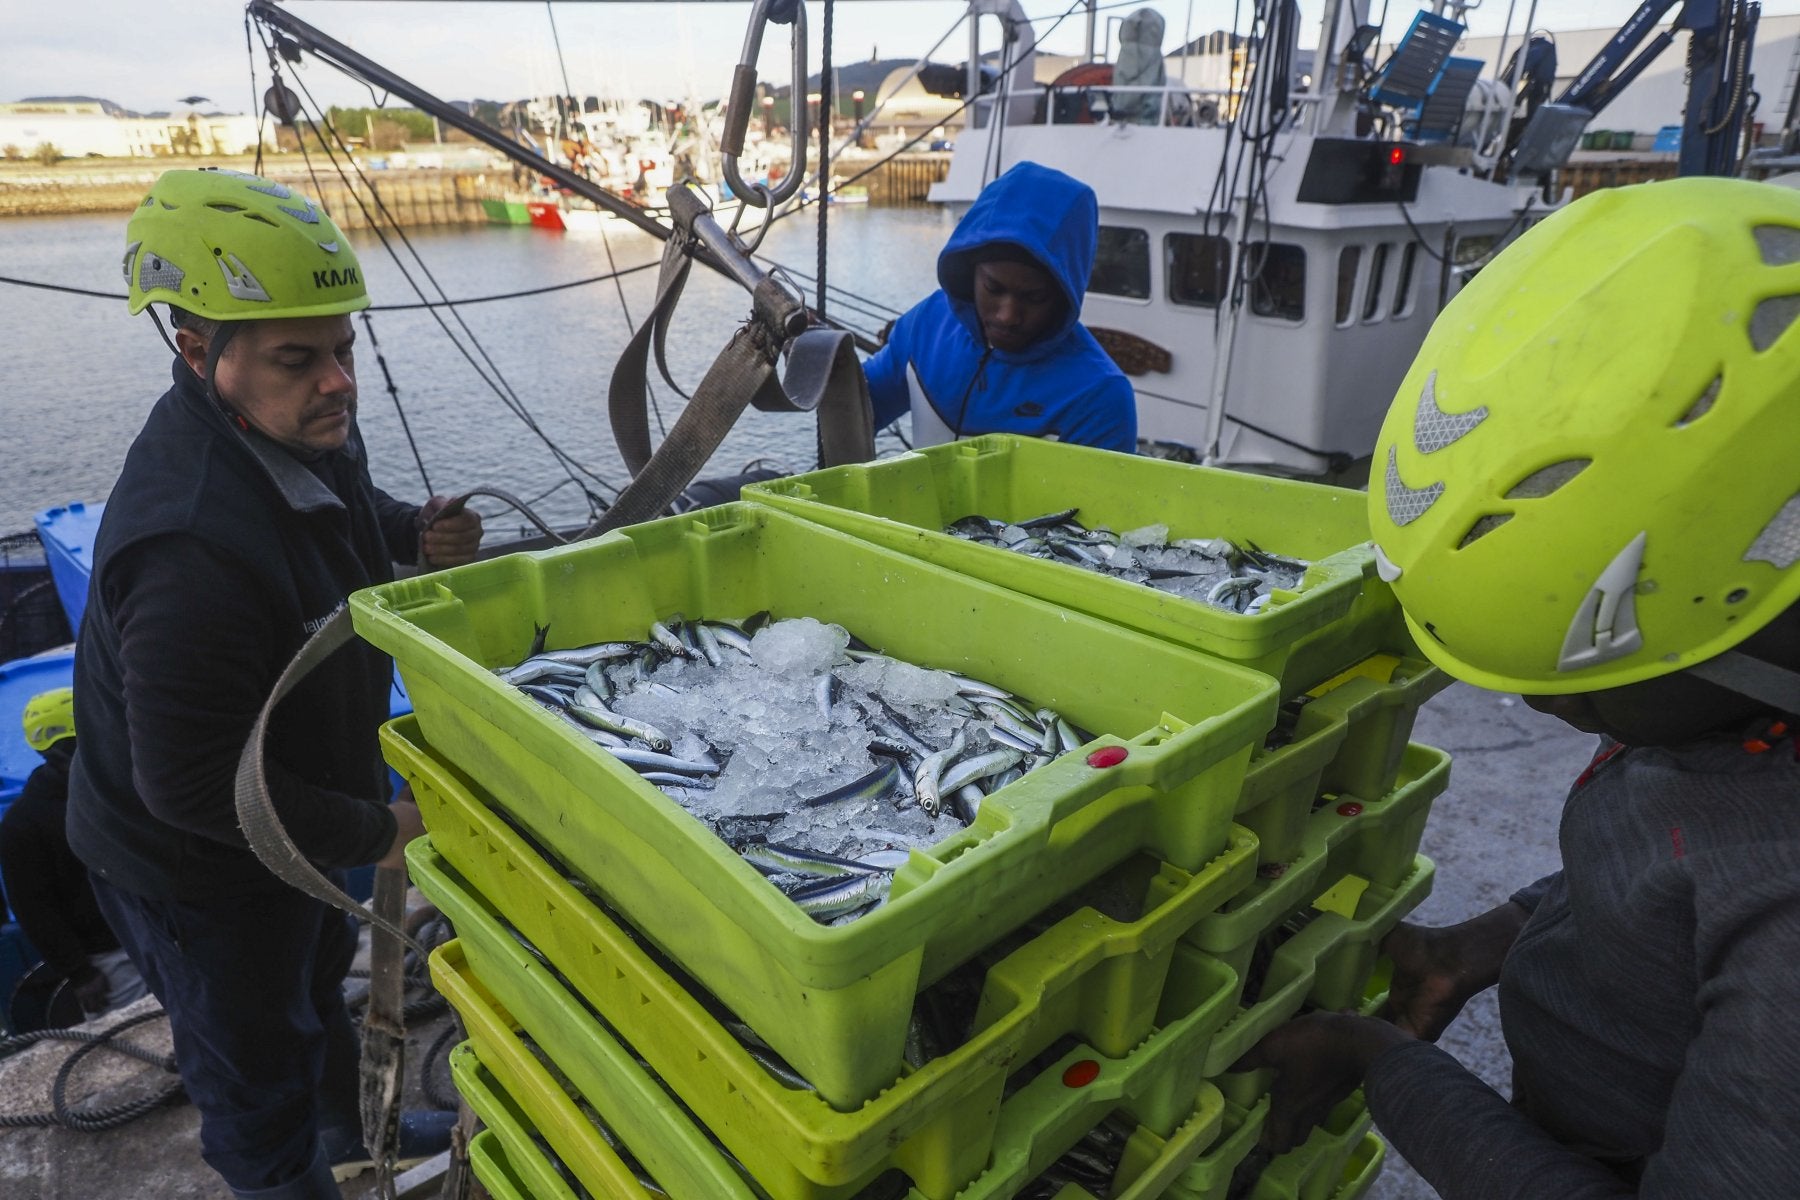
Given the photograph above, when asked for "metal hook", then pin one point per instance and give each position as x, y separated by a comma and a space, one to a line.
743, 97
767, 204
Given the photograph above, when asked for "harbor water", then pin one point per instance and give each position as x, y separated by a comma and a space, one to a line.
84, 374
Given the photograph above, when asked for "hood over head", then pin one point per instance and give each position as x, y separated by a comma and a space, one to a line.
1032, 211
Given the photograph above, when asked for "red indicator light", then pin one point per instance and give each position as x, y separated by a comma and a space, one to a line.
1396, 156
1080, 1074
1108, 756
1349, 808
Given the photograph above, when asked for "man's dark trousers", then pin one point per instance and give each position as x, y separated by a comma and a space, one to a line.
253, 986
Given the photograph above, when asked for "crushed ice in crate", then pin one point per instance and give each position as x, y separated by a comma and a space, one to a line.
795, 749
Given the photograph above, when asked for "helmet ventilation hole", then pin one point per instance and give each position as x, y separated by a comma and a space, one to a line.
1704, 404
1545, 480
1737, 595
1771, 319
1779, 542
1779, 245
255, 216
221, 206
1483, 527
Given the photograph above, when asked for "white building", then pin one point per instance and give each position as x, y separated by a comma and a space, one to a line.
82, 129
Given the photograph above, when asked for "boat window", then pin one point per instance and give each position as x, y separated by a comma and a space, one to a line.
1277, 275
1377, 277
1198, 267
1349, 262
1403, 299
1122, 263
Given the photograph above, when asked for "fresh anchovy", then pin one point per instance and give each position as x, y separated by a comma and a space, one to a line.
548, 696
1068, 736
901, 731
664, 637
754, 622
604, 718
1049, 519
773, 858
1006, 737
586, 656
885, 860
825, 694
873, 786
965, 803
538, 634
598, 683
709, 643
673, 779
856, 655
536, 670
976, 687
971, 769
685, 631
895, 749
1005, 778
925, 778
837, 897
730, 636
650, 760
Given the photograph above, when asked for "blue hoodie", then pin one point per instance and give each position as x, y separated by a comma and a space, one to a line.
937, 363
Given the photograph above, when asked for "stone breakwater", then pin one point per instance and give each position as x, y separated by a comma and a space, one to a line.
414, 197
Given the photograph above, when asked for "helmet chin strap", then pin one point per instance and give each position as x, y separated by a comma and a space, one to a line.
1756, 678
214, 351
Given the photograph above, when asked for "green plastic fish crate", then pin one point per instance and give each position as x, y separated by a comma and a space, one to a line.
526, 1169
1350, 738
634, 1105
941, 1126
833, 1001
1328, 963
1340, 613
494, 1168
1376, 839
1338, 1161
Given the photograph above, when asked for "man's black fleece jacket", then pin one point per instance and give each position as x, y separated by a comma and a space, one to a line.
219, 554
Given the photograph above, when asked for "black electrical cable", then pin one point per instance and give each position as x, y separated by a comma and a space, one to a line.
826, 103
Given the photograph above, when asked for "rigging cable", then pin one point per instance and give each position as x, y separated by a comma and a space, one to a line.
393, 390
827, 102
605, 242
498, 383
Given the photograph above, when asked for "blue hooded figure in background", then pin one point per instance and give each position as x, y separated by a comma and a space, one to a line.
999, 347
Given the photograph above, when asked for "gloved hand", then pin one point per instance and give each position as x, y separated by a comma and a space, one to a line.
91, 990
1437, 971
449, 533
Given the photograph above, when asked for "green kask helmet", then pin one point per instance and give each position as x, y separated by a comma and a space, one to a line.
234, 247
49, 717
1591, 474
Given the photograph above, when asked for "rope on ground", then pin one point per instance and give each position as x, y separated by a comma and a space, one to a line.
91, 1120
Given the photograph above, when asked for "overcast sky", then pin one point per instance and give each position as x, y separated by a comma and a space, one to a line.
145, 57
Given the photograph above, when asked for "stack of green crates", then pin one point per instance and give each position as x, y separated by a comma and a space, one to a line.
1263, 823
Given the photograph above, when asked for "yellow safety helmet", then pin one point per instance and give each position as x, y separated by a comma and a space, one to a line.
49, 718
229, 246
1591, 474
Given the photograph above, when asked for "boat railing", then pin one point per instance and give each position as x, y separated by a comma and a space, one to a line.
1137, 104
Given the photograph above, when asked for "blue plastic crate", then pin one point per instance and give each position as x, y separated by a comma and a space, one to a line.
68, 536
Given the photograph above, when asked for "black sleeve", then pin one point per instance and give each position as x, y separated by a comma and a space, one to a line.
193, 688
1466, 1141
399, 527
1532, 894
30, 834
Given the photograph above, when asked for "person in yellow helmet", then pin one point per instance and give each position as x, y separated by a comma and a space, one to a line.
1588, 491
243, 517
47, 884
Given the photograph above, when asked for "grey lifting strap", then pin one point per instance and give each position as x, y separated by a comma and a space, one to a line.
384, 1024
1747, 675
823, 376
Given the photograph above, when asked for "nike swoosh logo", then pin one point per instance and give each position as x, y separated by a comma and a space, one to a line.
1433, 428
1407, 504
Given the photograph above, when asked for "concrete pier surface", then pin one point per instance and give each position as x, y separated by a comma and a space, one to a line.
1494, 831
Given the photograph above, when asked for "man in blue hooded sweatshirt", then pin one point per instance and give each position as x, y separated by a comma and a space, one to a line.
999, 347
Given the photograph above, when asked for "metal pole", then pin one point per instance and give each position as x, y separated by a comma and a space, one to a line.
1092, 13
1513, 87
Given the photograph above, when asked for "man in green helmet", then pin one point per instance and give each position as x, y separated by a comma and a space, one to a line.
242, 518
